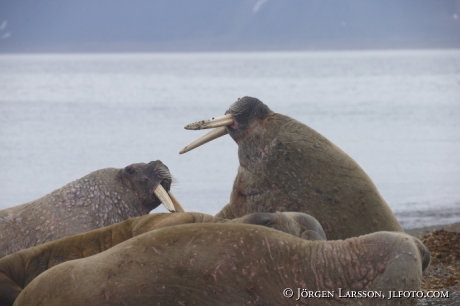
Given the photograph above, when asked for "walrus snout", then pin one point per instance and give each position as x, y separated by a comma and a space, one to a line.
424, 254
161, 170
265, 219
238, 119
310, 228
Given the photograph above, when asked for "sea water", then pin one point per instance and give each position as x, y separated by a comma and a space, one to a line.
397, 113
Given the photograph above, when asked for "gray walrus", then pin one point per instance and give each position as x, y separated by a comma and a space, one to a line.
20, 268
287, 166
98, 199
235, 264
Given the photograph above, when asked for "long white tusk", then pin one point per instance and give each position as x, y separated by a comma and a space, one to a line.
211, 135
176, 202
211, 123
161, 194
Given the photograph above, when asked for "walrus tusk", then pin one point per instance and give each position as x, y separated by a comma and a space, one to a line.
176, 203
161, 194
211, 123
211, 135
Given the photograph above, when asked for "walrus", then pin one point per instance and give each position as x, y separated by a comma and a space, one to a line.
98, 199
285, 165
235, 264
20, 268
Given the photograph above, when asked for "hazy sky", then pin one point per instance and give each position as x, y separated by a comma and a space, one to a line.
208, 25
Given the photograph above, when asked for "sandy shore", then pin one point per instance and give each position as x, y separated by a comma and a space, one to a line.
443, 274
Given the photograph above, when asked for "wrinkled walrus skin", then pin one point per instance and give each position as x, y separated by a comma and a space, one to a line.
98, 199
287, 166
232, 264
19, 269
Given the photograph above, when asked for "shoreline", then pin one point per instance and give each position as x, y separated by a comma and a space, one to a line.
420, 231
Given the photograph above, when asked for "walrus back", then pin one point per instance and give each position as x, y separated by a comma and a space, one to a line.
93, 201
228, 264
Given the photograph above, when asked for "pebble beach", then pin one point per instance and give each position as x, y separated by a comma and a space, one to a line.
443, 274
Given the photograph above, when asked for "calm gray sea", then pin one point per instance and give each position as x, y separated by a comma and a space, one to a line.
397, 113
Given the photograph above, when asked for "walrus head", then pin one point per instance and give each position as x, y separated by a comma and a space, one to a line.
239, 120
152, 183
294, 223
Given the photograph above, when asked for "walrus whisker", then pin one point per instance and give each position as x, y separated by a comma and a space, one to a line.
163, 196
209, 136
211, 123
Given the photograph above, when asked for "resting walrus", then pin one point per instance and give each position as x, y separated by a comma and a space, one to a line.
234, 264
98, 199
287, 166
19, 269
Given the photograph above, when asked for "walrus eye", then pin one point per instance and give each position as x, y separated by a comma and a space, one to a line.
129, 169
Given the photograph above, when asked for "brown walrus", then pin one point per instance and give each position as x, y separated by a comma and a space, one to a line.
98, 199
235, 264
19, 269
287, 166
